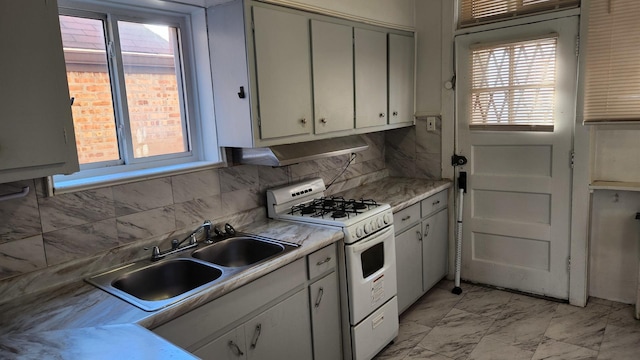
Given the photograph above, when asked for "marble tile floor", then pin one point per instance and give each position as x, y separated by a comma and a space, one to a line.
490, 324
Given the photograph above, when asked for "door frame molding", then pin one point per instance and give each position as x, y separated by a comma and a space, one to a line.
580, 194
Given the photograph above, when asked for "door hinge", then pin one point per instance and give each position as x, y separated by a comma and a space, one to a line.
569, 263
577, 45
572, 159
259, 122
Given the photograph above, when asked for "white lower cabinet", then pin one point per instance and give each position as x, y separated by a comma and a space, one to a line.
324, 301
421, 247
435, 250
281, 331
409, 266
290, 313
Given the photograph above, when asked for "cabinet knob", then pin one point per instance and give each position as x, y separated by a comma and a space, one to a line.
323, 120
382, 115
395, 113
303, 121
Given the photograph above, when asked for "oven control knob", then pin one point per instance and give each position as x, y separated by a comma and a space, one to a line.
380, 222
359, 232
367, 228
386, 218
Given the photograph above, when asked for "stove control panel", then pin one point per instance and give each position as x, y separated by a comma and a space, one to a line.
368, 226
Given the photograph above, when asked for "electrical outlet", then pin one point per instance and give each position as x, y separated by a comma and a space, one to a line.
431, 123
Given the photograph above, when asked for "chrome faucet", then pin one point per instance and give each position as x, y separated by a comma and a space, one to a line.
156, 254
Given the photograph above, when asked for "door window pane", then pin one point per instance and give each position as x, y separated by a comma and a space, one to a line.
90, 87
154, 89
514, 83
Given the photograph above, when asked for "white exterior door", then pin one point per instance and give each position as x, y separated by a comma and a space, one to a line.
516, 221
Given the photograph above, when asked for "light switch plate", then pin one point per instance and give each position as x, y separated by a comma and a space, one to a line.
431, 123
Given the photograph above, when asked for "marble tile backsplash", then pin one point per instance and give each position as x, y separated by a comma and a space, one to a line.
415, 152
72, 235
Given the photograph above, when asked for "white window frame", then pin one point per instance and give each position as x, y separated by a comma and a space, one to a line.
196, 74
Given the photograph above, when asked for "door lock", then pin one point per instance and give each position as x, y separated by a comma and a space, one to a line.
458, 160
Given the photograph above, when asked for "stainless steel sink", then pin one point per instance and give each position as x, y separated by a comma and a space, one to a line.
241, 251
165, 280
152, 286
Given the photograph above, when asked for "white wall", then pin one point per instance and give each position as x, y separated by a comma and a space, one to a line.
396, 13
615, 235
429, 55
616, 151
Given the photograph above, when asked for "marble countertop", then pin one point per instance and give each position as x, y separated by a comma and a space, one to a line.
398, 192
35, 325
76, 308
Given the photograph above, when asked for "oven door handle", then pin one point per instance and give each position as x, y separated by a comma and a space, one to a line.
371, 240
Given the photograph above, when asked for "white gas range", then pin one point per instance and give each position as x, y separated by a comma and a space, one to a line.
367, 260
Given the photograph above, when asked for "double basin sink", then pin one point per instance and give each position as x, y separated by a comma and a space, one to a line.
154, 285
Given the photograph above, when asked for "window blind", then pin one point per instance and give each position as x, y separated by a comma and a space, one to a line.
473, 12
612, 71
513, 83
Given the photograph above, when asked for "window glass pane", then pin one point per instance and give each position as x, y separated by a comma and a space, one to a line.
153, 87
514, 83
90, 86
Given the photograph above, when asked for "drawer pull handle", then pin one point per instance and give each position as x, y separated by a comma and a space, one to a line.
319, 298
235, 348
323, 261
436, 202
406, 218
256, 336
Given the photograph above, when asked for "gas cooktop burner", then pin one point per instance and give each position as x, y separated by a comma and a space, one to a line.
307, 210
333, 207
338, 214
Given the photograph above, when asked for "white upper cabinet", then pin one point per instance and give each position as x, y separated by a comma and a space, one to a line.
283, 72
332, 49
370, 48
36, 126
283, 76
401, 78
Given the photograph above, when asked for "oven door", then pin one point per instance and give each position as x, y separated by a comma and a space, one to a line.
371, 273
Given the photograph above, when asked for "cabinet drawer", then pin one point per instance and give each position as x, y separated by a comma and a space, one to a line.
406, 217
322, 261
434, 203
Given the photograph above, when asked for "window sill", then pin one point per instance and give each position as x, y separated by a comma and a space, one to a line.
69, 186
614, 185
511, 127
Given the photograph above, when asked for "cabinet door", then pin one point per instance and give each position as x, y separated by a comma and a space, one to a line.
332, 46
370, 51
409, 266
230, 346
435, 248
36, 127
325, 318
401, 50
282, 332
283, 72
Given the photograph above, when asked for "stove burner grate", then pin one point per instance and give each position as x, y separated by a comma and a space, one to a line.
335, 207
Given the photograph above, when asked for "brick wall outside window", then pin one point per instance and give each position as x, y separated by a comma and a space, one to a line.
155, 118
